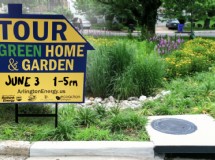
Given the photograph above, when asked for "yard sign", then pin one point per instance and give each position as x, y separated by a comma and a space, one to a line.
42, 58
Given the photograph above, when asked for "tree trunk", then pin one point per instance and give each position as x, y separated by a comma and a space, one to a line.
207, 23
149, 16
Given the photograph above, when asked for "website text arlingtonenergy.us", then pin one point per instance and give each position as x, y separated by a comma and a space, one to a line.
40, 91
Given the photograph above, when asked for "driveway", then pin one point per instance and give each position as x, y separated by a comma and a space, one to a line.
163, 29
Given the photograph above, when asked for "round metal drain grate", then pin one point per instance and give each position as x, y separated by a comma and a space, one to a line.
173, 126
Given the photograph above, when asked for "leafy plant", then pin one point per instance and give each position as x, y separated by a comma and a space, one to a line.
101, 111
195, 56
165, 45
86, 117
64, 131
115, 110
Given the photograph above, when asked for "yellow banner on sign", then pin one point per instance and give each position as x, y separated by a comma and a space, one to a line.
38, 31
41, 87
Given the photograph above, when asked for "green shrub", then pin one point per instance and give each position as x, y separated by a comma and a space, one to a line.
114, 26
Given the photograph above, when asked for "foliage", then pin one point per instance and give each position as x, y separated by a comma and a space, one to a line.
91, 8
127, 121
166, 45
190, 9
195, 56
104, 65
189, 95
119, 70
98, 71
93, 133
142, 11
115, 110
114, 26
69, 128
101, 111
86, 117
64, 131
64, 11
144, 75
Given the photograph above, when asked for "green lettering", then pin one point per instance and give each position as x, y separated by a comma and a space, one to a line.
20, 50
29, 51
37, 51
3, 50
12, 49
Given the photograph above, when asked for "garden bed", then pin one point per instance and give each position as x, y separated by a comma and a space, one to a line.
187, 71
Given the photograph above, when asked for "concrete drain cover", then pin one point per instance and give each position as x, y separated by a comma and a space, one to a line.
173, 126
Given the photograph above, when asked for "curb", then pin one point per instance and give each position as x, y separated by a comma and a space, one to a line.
15, 148
143, 150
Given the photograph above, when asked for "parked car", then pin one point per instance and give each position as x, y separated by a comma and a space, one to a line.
81, 23
86, 24
172, 24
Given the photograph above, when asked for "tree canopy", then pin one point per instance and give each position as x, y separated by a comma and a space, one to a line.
199, 9
142, 11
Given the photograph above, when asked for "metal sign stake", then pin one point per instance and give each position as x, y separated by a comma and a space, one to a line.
55, 115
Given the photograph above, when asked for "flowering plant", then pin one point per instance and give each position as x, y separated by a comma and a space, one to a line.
195, 56
166, 45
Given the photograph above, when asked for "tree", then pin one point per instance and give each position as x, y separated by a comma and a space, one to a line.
145, 11
91, 8
210, 12
198, 9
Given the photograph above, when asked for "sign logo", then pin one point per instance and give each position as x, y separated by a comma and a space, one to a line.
41, 56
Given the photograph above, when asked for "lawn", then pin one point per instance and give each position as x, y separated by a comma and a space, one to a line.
198, 25
189, 75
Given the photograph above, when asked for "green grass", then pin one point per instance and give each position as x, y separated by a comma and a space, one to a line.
189, 95
199, 25
74, 124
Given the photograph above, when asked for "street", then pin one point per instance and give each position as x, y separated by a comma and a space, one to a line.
160, 30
